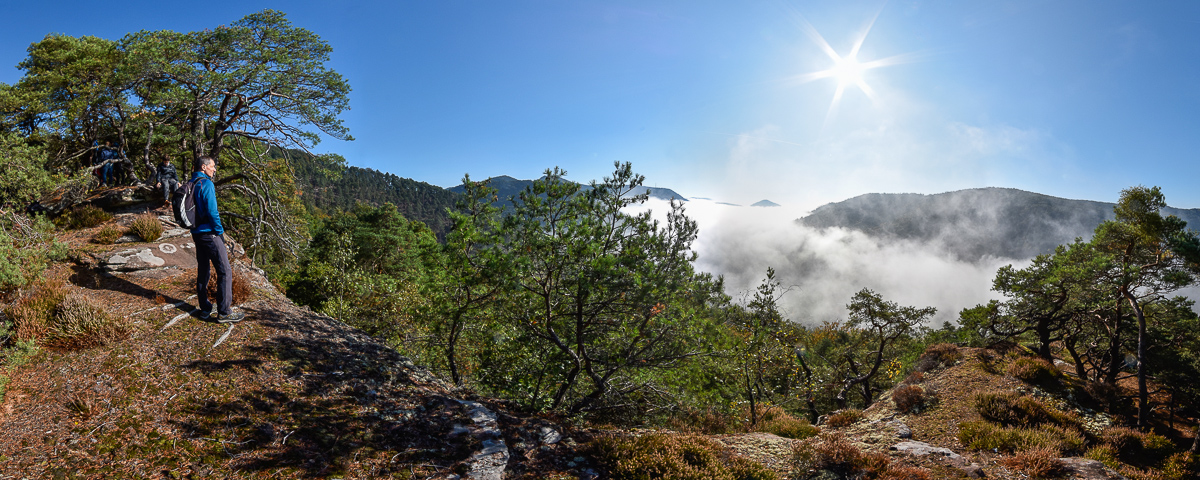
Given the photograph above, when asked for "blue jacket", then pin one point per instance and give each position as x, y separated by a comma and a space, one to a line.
207, 217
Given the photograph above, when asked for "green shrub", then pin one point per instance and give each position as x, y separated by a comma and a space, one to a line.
25, 179
1037, 462
26, 249
147, 227
85, 216
107, 235
843, 418
673, 457
1036, 371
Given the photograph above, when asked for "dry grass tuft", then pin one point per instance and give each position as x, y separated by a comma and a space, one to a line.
1037, 462
79, 323
673, 457
147, 226
81, 407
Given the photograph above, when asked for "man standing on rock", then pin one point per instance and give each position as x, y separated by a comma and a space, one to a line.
209, 236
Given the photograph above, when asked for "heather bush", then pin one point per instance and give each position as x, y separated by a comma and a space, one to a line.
33, 314
53, 318
241, 287
836, 454
673, 457
908, 398
709, 421
1135, 447
1011, 409
107, 235
843, 418
1181, 466
147, 227
905, 472
85, 216
1036, 371
937, 355
79, 323
1105, 454
777, 421
989, 436
1037, 462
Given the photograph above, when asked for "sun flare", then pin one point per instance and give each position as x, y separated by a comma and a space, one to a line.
847, 70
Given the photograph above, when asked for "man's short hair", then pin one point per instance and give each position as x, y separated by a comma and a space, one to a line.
202, 161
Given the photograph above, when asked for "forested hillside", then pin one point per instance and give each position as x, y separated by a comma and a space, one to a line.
330, 185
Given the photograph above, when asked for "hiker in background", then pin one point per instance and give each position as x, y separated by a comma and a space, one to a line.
106, 172
209, 236
167, 179
97, 157
125, 173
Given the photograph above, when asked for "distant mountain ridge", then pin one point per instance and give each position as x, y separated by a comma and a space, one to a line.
975, 223
509, 187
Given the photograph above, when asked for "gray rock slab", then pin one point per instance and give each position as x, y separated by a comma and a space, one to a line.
489, 462
921, 449
177, 252
1088, 469
549, 436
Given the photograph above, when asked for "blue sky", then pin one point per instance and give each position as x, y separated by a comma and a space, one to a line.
1077, 99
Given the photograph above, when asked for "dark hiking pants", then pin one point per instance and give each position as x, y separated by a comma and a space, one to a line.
168, 186
210, 248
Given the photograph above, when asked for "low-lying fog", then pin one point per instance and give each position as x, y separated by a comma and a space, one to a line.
826, 267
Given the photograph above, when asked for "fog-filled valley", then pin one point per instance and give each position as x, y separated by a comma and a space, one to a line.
930, 250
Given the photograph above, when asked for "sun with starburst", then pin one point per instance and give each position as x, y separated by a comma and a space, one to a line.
847, 69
